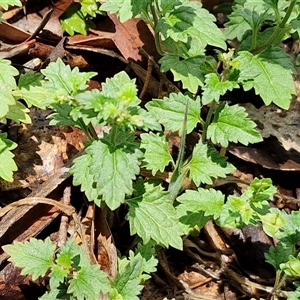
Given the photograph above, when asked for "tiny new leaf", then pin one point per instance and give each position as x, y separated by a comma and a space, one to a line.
153, 216
214, 88
206, 163
35, 257
231, 124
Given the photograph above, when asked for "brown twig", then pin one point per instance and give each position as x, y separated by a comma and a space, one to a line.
147, 79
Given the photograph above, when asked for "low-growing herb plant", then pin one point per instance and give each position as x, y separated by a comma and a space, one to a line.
108, 172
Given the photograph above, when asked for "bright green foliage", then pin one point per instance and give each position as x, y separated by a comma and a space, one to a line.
7, 74
272, 222
214, 88
7, 84
197, 207
278, 255
90, 7
206, 163
187, 70
231, 124
71, 273
83, 177
191, 25
117, 103
157, 155
258, 72
170, 111
152, 216
35, 257
125, 9
112, 163
31, 90
247, 209
127, 284
6, 3
73, 20
61, 78
8, 165
247, 13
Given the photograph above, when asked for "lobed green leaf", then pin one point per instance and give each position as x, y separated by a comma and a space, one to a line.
206, 163
170, 111
157, 155
231, 124
152, 216
8, 165
270, 74
35, 257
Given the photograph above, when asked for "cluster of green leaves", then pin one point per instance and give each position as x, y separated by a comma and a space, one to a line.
108, 171
183, 30
71, 275
78, 17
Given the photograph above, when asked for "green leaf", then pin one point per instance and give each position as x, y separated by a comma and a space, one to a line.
237, 212
7, 74
88, 283
206, 163
8, 165
157, 155
197, 207
115, 163
35, 257
18, 113
90, 7
73, 20
231, 124
289, 235
277, 255
31, 90
29, 79
187, 70
191, 21
259, 192
152, 216
270, 74
6, 3
168, 5
209, 201
35, 96
149, 261
272, 222
240, 19
62, 116
126, 285
214, 88
170, 111
125, 9
7, 100
83, 177
88, 280
291, 267
117, 103
62, 79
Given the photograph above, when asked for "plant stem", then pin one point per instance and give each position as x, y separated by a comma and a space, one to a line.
208, 120
156, 34
277, 31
